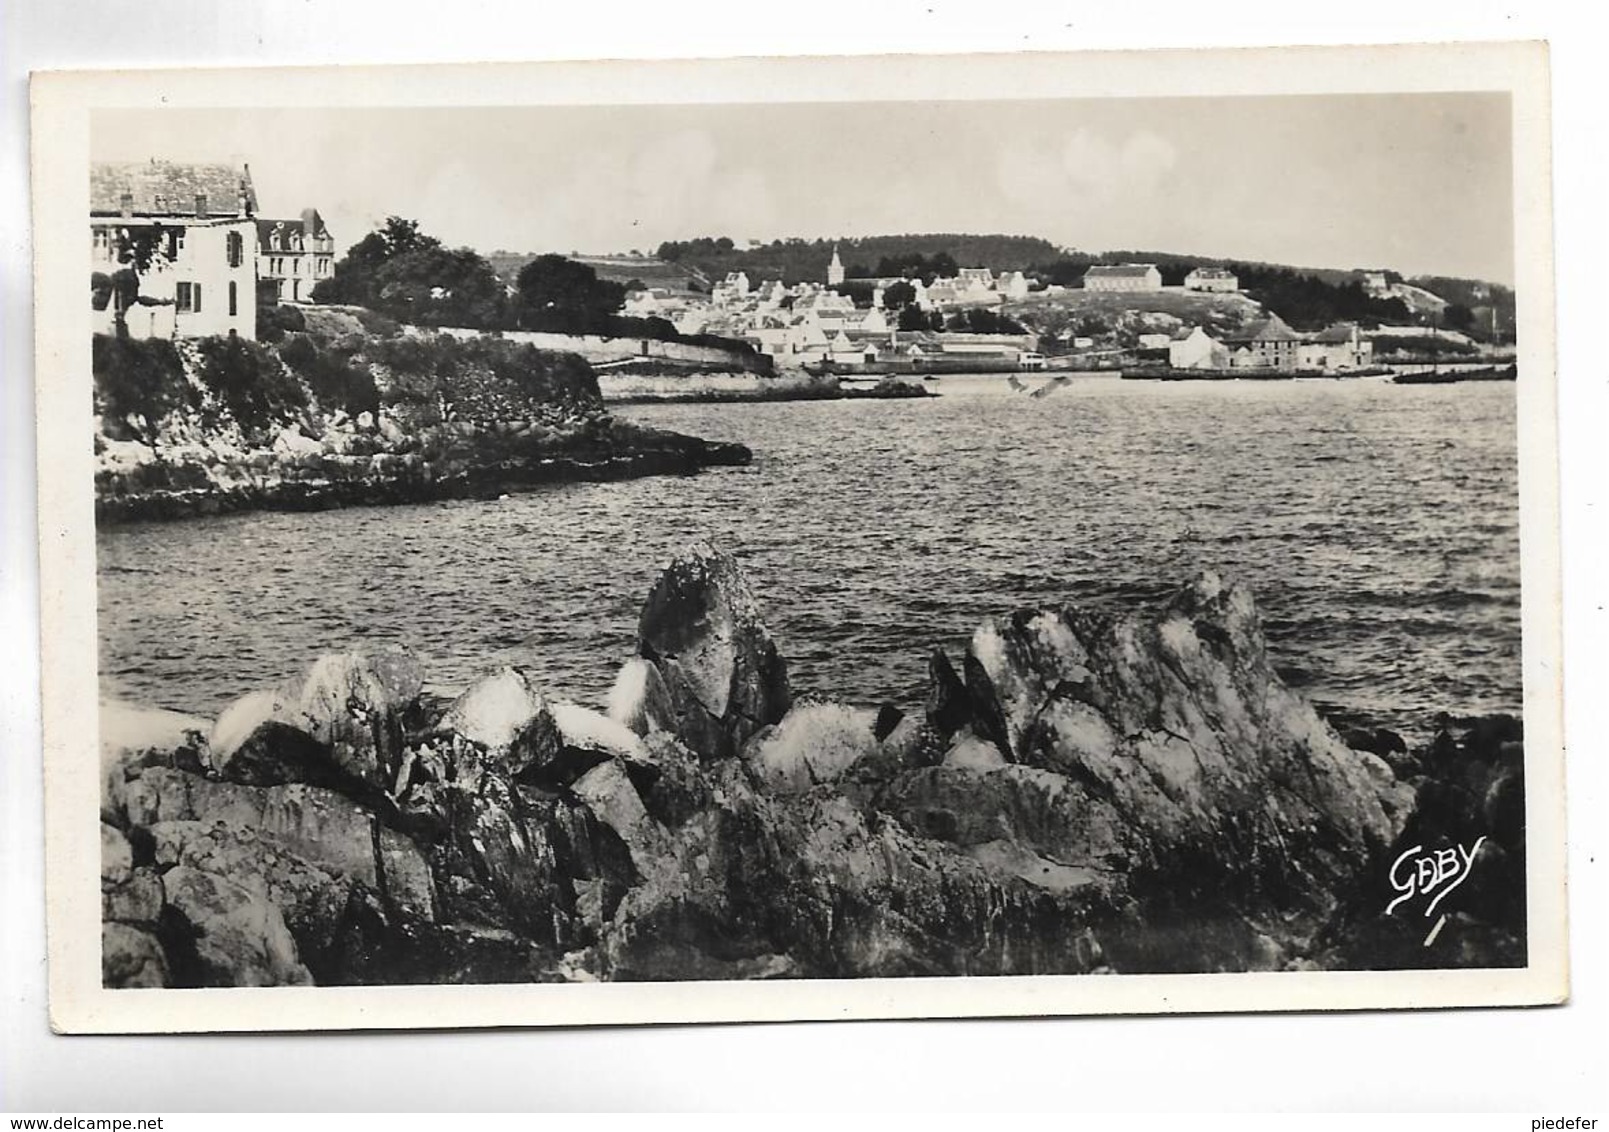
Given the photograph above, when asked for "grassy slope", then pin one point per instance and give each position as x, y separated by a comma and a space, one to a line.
1052, 313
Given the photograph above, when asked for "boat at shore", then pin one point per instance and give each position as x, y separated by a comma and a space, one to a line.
1452, 376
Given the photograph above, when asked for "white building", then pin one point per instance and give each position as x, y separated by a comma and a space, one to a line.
1123, 277
1196, 349
294, 255
1012, 285
835, 270
194, 224
1211, 279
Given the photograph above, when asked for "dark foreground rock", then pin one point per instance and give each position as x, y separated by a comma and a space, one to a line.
1079, 794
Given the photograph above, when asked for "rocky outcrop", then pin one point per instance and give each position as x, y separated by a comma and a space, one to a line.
342, 417
1080, 794
722, 673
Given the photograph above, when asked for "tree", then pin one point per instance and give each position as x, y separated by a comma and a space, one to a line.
409, 276
559, 294
913, 317
138, 248
897, 296
1458, 317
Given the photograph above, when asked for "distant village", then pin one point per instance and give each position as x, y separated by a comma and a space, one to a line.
207, 258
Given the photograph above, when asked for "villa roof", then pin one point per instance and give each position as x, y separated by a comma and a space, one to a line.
1121, 270
168, 188
295, 227
1213, 273
1271, 329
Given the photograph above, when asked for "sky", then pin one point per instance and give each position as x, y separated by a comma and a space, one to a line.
1421, 183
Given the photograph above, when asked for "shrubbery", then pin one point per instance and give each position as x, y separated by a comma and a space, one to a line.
249, 381
139, 378
334, 379
1420, 346
424, 369
274, 321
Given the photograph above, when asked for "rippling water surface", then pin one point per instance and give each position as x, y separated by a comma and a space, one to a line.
1378, 525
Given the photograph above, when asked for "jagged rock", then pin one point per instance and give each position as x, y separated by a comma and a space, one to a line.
355, 703
379, 946
808, 877
813, 744
131, 958
640, 700
232, 936
888, 718
948, 706
117, 858
968, 752
588, 738
138, 900
133, 739
1184, 737
702, 629
1051, 815
507, 846
607, 791
256, 742
310, 899
505, 714
682, 788
321, 827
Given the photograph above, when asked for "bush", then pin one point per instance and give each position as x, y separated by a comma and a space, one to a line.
250, 382
274, 321
546, 376
335, 381
140, 378
1417, 346
377, 324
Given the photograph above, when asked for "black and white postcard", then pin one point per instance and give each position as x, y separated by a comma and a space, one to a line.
781, 539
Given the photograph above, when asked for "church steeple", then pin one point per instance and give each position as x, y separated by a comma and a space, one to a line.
835, 269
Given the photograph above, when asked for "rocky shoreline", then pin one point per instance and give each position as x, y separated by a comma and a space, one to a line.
312, 477
1079, 794
623, 387
334, 415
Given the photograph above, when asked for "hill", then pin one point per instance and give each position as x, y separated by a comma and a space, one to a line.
650, 271
1120, 318
797, 260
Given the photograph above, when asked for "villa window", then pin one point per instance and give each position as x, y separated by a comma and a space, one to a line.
187, 297
236, 249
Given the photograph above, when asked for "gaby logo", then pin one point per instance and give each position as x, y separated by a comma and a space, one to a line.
1436, 875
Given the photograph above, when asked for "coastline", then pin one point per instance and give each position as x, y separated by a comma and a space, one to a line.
1025, 819
727, 387
482, 467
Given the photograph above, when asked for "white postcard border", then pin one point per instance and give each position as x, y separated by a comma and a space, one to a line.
63, 103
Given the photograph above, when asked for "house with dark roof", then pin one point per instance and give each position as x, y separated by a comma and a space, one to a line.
1268, 343
173, 249
1123, 277
293, 255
